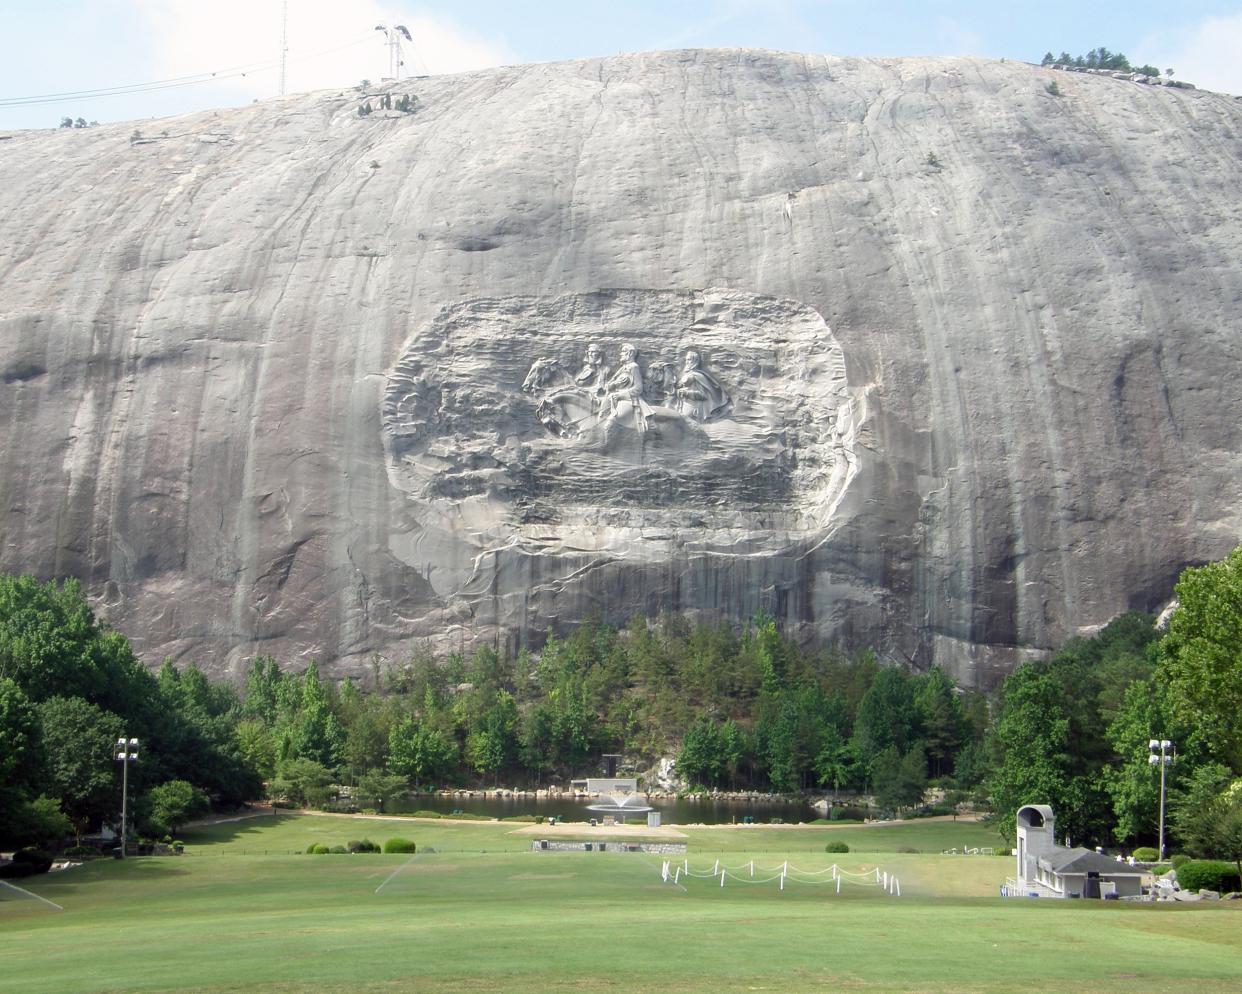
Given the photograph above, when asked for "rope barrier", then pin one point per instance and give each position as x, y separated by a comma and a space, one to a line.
744, 873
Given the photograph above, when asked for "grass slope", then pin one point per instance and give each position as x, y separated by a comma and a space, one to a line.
472, 916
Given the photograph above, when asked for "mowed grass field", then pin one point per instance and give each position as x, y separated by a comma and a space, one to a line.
481, 913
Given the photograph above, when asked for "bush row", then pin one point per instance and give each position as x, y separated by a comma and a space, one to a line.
353, 846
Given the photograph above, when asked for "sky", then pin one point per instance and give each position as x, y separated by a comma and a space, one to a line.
55, 47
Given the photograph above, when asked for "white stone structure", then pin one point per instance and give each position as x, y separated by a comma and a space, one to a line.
1045, 869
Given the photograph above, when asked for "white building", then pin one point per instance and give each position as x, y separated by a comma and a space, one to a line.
1045, 869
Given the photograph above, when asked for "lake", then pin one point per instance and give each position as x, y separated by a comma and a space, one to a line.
673, 811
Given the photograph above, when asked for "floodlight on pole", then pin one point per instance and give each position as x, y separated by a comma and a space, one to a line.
1161, 753
126, 753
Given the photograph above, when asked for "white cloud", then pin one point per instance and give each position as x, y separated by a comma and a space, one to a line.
331, 44
1208, 54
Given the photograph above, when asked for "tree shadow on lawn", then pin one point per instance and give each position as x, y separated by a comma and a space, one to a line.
232, 831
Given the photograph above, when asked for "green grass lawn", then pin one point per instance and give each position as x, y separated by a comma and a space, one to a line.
483, 914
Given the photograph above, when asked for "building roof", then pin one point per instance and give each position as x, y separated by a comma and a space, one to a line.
1078, 860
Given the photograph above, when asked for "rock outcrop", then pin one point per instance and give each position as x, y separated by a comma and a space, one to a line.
908, 353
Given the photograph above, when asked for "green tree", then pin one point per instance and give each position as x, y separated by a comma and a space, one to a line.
303, 782
419, 752
492, 744
256, 746
702, 759
1132, 783
1201, 657
1032, 737
887, 716
1194, 807
375, 788
174, 803
20, 750
39, 822
78, 741
940, 720
900, 781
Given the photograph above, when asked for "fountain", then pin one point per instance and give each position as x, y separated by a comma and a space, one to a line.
618, 796
618, 805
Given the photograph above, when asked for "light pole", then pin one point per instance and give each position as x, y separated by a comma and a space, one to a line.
1161, 754
126, 752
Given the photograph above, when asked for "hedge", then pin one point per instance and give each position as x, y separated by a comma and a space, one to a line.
399, 845
1208, 874
1146, 854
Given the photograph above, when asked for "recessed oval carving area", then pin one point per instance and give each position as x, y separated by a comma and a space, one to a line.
630, 422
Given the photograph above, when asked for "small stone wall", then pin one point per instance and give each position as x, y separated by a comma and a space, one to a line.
567, 845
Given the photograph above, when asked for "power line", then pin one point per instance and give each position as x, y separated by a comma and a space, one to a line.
172, 82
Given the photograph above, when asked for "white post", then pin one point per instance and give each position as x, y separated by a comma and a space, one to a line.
782, 881
677, 875
898, 885
838, 885
752, 867
722, 876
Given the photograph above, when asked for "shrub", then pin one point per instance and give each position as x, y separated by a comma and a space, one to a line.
846, 812
362, 845
1146, 854
1208, 874
399, 845
428, 814
337, 850
317, 849
1178, 860
41, 861
15, 871
932, 811
836, 847
906, 849
1161, 870
81, 852
26, 863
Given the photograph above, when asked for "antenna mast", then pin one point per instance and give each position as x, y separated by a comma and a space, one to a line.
394, 36
284, 43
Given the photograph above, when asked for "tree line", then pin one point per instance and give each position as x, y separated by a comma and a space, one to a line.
1100, 58
743, 709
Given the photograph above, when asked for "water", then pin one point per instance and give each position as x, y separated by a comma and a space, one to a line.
673, 811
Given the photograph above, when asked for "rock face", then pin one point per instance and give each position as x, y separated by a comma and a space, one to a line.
907, 353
